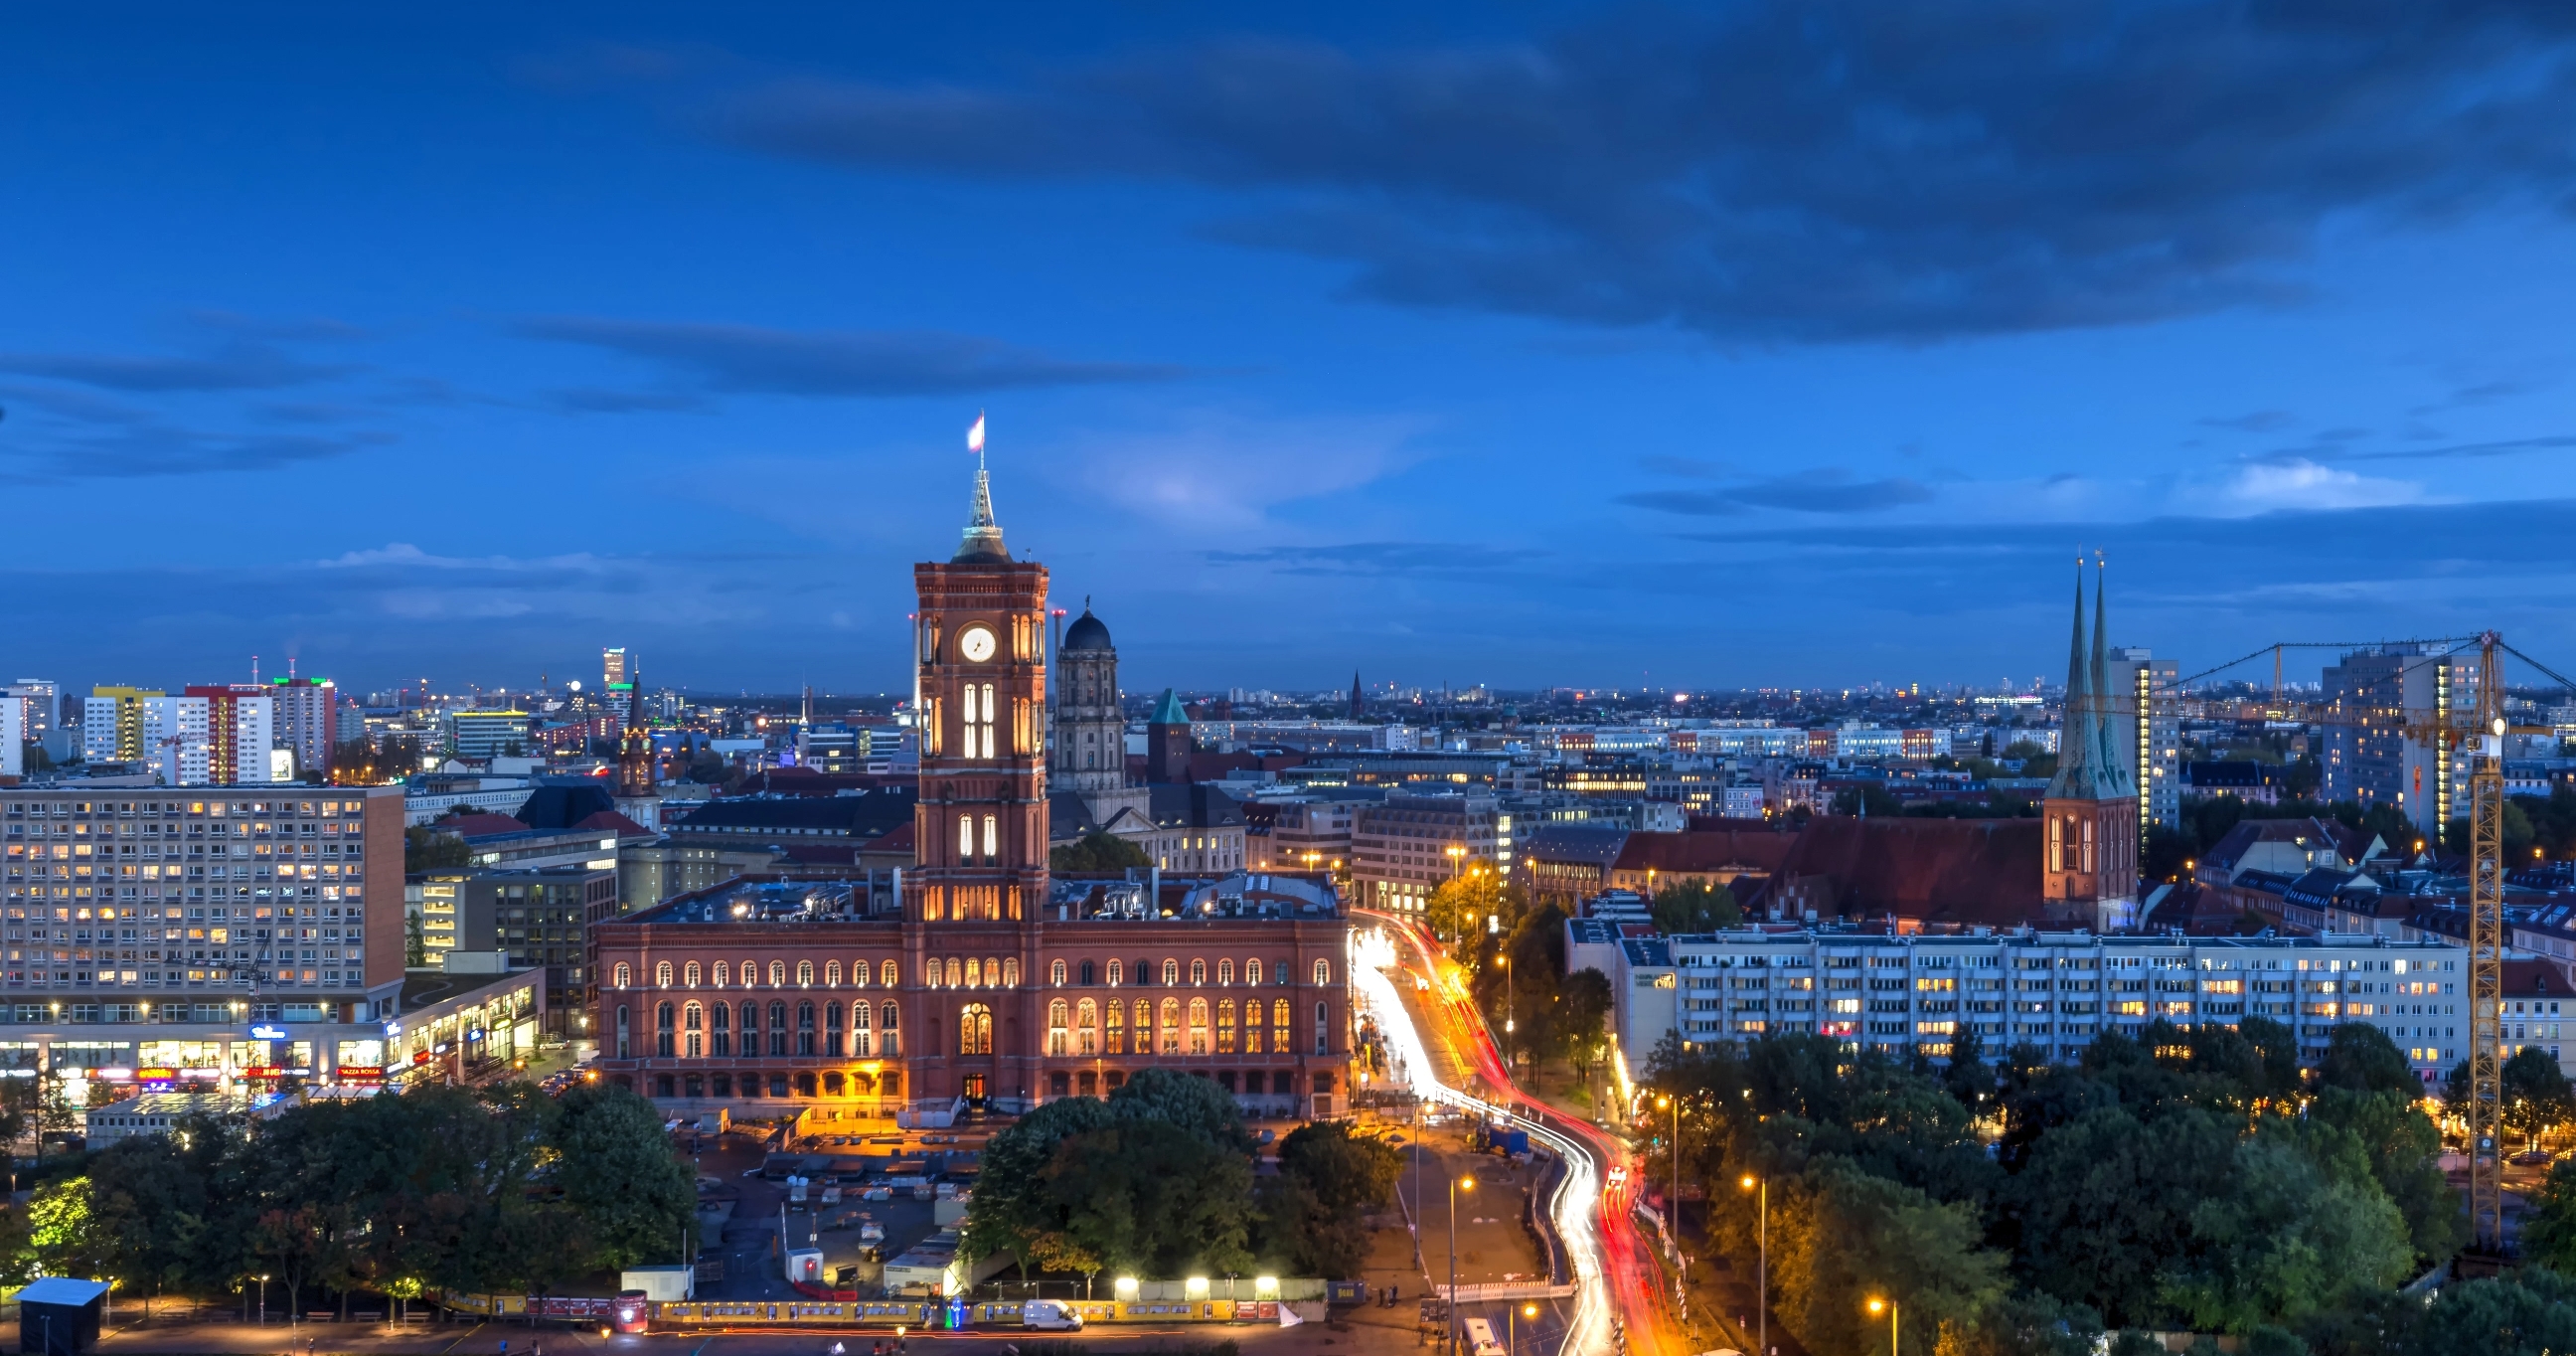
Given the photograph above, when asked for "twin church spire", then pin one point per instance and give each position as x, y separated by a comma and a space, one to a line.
2088, 767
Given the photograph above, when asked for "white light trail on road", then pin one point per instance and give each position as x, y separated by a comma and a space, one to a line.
1576, 1207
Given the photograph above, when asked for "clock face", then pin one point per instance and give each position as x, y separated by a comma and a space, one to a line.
975, 643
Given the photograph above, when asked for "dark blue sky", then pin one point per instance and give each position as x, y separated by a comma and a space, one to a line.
1785, 342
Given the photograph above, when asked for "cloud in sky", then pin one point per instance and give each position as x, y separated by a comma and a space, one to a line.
152, 451
2296, 483
1828, 491
756, 359
1775, 171
233, 367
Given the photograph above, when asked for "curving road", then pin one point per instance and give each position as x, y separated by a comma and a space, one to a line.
1614, 1274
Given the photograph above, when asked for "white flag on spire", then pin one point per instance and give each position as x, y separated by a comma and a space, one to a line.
975, 435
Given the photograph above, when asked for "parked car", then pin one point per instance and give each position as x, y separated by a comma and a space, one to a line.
1054, 1315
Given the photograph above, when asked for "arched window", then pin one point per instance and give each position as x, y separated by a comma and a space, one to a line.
625, 975
2056, 843
692, 1018
1171, 972
1056, 974
778, 1028
778, 974
1117, 975
2088, 844
805, 1028
886, 975
831, 974
1086, 1027
720, 1030
888, 1046
662, 1029
750, 973
1144, 972
622, 1052
804, 974
1059, 1017
662, 975
1252, 971
974, 973
1198, 973
1170, 1044
1117, 1027
954, 971
861, 1039
690, 975
974, 1030
751, 1031
1198, 1026
1279, 974
1323, 971
1225, 1027
833, 1025
992, 828
1010, 971
1323, 1015
1279, 1018
965, 836
724, 974
930, 972
1090, 974
1225, 972
1252, 1027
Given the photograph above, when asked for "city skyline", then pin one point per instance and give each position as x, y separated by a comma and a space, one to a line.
401, 351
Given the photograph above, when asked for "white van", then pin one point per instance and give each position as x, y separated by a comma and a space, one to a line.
1050, 1314
1480, 1339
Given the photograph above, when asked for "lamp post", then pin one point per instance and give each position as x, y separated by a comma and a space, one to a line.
1511, 1009
1762, 1277
1893, 1310
1512, 1328
1673, 1207
1456, 1184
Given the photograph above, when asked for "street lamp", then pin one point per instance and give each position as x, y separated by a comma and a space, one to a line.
1673, 1207
1893, 1310
1762, 1278
1512, 1328
1456, 1184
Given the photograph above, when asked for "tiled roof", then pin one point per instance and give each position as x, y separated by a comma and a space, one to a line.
1976, 871
1699, 850
610, 821
1597, 844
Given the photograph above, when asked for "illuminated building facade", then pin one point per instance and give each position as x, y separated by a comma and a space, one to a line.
978, 980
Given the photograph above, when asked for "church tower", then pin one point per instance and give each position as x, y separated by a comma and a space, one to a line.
2090, 815
981, 826
1091, 731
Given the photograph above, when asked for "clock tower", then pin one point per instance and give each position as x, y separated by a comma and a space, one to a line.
980, 828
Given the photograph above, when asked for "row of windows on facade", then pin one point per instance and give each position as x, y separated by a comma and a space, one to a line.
1079, 1028
976, 720
805, 1083
960, 972
705, 1031
173, 809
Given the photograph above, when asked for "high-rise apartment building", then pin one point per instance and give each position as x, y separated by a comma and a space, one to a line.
13, 739
112, 724
213, 736
2145, 727
221, 934
307, 715
2388, 709
612, 666
483, 735
38, 701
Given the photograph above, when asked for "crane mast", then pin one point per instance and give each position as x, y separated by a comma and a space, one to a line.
2486, 954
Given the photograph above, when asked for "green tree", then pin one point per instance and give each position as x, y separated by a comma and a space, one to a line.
64, 1230
1194, 1106
2105, 1203
2534, 1093
2289, 1236
2549, 1231
1012, 1213
635, 1198
1098, 851
426, 849
2529, 1315
2404, 1151
1459, 908
2362, 1058
1693, 906
1152, 1199
1582, 1025
1314, 1211
1840, 1236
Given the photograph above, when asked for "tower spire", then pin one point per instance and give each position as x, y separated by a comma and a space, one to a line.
983, 540
2075, 737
